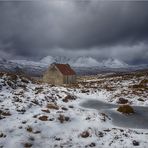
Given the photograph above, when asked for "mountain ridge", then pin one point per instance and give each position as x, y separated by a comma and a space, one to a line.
82, 65
85, 61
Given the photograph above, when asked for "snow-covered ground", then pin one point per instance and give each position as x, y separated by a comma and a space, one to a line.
33, 114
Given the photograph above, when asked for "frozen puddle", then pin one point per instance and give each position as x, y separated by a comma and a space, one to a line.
138, 120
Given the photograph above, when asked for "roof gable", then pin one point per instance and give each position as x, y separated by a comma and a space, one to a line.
65, 69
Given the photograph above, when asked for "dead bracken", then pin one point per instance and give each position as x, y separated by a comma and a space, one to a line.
125, 109
52, 106
5, 113
69, 98
63, 118
43, 118
29, 129
27, 145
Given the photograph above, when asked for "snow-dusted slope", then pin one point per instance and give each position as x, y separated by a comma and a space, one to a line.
82, 65
58, 59
85, 62
28, 63
114, 63
47, 60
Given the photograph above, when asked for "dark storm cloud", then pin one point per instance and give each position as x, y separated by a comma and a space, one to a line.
98, 28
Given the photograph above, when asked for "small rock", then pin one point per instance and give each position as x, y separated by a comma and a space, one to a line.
135, 143
92, 144
57, 138
100, 134
70, 106
85, 134
26, 145
122, 101
125, 109
45, 110
31, 138
51, 119
64, 108
37, 132
2, 135
140, 100
24, 122
29, 129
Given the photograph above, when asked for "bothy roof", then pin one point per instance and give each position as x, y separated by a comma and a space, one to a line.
65, 69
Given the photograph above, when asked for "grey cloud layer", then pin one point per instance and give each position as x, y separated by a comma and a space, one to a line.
40, 28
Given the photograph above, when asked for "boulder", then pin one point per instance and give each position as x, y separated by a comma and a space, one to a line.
125, 109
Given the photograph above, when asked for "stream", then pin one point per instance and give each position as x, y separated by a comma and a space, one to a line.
137, 120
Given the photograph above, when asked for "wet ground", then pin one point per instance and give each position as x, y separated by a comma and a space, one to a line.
137, 120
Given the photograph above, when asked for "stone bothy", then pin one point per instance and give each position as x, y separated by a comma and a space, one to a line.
59, 74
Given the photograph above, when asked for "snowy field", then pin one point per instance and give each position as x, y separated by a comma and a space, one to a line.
41, 115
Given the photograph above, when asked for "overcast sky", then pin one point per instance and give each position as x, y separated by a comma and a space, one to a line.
101, 29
